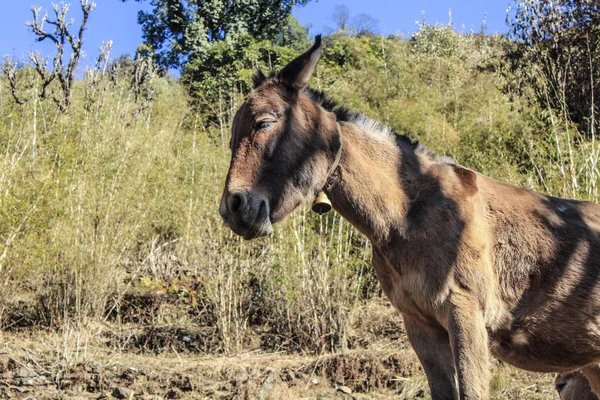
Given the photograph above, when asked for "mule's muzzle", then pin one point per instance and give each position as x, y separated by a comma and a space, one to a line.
246, 214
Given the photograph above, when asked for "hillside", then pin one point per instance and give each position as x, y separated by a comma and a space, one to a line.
118, 278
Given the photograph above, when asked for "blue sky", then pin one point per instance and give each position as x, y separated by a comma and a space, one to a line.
398, 16
111, 20
117, 21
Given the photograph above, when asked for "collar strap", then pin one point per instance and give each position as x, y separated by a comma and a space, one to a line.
321, 205
338, 156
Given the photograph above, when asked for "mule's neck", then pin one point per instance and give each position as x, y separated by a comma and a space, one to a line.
372, 187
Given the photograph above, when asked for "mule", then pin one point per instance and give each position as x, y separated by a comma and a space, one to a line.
573, 386
476, 267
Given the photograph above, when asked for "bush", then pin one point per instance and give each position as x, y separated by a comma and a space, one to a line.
559, 54
119, 195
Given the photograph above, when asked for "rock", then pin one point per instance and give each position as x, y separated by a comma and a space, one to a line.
314, 381
35, 381
344, 389
122, 393
4, 364
173, 393
267, 387
268, 382
25, 373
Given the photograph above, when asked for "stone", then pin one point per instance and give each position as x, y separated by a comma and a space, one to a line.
122, 393
344, 389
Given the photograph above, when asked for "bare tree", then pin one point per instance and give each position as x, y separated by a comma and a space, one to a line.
40, 63
61, 37
341, 16
364, 24
93, 76
10, 70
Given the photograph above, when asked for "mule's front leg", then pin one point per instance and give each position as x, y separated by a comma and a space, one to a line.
432, 345
592, 373
469, 341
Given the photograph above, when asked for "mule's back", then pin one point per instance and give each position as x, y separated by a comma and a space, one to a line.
546, 254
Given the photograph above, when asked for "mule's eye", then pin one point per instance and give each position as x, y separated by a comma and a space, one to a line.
260, 125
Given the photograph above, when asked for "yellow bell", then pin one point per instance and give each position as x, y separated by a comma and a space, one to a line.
321, 204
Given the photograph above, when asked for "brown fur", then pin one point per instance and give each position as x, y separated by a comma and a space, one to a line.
475, 266
573, 386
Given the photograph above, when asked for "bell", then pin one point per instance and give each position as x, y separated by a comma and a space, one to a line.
321, 205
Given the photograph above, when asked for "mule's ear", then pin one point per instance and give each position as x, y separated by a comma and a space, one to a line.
257, 79
298, 72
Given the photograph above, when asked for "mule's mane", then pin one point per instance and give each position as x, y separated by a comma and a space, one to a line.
346, 115
372, 126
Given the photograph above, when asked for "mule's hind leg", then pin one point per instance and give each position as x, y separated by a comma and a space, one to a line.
432, 346
592, 373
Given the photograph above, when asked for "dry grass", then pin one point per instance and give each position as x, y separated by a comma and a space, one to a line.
113, 256
85, 363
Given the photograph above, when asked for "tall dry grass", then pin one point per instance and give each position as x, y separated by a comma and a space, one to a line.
108, 213
121, 194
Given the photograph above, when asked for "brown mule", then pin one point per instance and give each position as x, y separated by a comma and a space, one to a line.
574, 386
475, 266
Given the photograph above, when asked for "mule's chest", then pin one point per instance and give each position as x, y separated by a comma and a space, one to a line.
410, 290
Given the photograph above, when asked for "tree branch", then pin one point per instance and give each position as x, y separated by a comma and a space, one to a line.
10, 70
41, 66
60, 36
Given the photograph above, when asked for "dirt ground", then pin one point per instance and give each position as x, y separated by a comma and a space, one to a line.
86, 364
136, 357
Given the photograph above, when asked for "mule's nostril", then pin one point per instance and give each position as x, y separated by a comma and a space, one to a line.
236, 201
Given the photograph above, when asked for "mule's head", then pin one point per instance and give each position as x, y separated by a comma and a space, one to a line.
282, 147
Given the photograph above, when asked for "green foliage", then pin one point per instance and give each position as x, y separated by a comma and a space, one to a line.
121, 193
224, 73
559, 54
293, 36
179, 30
228, 66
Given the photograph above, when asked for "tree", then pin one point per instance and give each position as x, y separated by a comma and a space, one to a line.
180, 30
60, 36
341, 16
61, 74
294, 36
560, 39
364, 24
